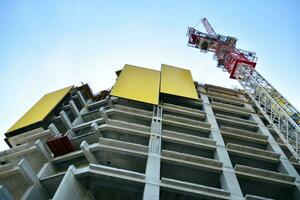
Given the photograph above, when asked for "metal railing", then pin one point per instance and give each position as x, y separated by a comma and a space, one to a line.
257, 88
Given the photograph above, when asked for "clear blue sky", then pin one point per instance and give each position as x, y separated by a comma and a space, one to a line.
47, 45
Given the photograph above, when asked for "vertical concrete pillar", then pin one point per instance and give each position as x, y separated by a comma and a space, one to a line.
65, 119
152, 180
95, 128
70, 187
27, 171
81, 99
52, 128
78, 118
103, 114
43, 150
109, 102
228, 178
88, 154
37, 192
74, 108
5, 194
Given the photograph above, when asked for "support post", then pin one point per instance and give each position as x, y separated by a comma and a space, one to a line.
5, 194
88, 154
103, 114
70, 187
110, 103
27, 171
81, 99
228, 178
65, 119
74, 108
95, 128
152, 179
53, 130
43, 150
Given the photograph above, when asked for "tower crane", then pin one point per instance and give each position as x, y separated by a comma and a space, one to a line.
240, 64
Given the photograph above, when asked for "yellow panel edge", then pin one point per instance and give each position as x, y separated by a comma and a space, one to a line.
39, 111
177, 81
138, 83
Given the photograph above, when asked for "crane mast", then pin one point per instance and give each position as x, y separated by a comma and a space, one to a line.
240, 64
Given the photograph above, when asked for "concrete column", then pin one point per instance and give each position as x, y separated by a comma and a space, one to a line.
37, 192
27, 171
52, 128
95, 128
286, 165
5, 194
74, 108
81, 99
103, 114
88, 154
109, 102
65, 119
43, 150
228, 178
78, 118
71, 188
152, 179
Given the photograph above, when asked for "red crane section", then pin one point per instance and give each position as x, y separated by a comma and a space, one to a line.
240, 64
227, 55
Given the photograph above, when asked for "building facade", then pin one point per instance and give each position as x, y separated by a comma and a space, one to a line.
149, 138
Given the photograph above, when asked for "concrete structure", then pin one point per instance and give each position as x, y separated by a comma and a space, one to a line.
217, 147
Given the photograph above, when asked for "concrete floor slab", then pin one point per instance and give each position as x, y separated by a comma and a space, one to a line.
264, 175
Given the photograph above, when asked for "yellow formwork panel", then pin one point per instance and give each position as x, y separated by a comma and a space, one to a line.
177, 81
41, 109
137, 83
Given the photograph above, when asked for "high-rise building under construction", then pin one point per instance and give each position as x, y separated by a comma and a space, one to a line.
154, 135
